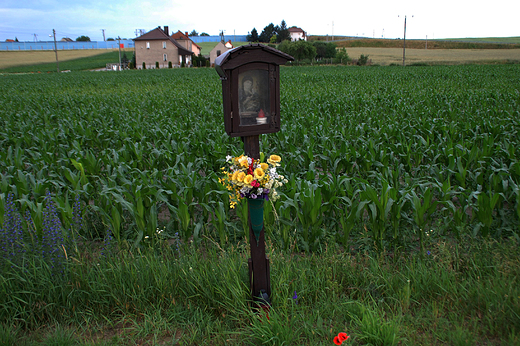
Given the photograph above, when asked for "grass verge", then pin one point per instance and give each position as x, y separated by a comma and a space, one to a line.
464, 293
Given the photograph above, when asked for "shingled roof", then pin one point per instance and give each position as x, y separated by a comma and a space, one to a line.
180, 36
160, 34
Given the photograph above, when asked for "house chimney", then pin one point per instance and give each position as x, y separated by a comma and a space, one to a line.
187, 33
166, 30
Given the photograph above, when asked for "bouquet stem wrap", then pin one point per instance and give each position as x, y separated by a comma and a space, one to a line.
256, 212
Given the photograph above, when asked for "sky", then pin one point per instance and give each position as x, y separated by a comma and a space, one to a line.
31, 20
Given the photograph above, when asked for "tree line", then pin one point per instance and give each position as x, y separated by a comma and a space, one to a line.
271, 34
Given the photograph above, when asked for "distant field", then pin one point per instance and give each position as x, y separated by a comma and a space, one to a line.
29, 58
514, 40
387, 56
43, 61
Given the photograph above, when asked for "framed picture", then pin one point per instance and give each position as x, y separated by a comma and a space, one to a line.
254, 104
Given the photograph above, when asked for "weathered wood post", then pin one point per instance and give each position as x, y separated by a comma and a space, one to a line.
251, 102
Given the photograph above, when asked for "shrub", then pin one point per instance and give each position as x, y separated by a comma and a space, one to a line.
131, 65
170, 64
363, 60
144, 65
156, 64
342, 57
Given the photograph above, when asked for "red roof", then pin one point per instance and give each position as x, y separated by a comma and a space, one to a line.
180, 36
159, 34
296, 29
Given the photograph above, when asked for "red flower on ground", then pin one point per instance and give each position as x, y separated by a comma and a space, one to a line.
338, 340
343, 336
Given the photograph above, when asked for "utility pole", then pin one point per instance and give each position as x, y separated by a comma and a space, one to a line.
426, 47
56, 50
404, 40
103, 30
35, 37
119, 45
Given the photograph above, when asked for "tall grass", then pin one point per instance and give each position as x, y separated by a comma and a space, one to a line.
201, 296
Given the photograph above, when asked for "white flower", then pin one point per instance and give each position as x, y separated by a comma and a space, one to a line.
249, 160
260, 191
228, 158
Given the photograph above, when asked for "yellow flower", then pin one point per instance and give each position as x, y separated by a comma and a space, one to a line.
259, 173
264, 166
248, 179
234, 176
243, 161
274, 160
241, 176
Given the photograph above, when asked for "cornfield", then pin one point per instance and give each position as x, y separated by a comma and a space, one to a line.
385, 154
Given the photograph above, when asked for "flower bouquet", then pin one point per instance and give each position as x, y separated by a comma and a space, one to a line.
255, 180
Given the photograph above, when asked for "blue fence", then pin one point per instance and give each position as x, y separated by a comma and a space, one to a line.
233, 38
62, 45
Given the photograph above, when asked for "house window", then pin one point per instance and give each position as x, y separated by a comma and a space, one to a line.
164, 44
218, 53
164, 57
147, 45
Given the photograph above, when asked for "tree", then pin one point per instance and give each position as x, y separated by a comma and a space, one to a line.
283, 32
124, 60
267, 33
204, 34
16, 39
299, 49
193, 33
110, 39
253, 37
324, 50
83, 38
342, 57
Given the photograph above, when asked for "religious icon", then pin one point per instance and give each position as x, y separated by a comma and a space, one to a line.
254, 103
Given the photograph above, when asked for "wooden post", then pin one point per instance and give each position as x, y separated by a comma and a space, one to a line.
259, 273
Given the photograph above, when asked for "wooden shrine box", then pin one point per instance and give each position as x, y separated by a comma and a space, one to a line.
250, 77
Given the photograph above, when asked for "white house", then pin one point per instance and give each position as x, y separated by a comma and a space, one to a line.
297, 34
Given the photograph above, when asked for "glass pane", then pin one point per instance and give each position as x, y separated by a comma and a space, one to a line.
253, 98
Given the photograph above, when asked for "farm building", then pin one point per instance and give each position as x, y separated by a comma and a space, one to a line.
219, 49
157, 46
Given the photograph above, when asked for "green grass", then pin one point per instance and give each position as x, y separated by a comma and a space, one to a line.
460, 293
206, 47
502, 40
87, 63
